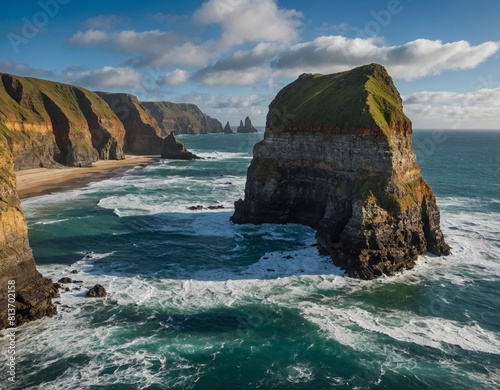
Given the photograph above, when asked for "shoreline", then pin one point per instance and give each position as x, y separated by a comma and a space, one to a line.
43, 181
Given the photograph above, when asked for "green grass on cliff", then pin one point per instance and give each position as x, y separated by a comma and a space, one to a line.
189, 114
32, 106
364, 97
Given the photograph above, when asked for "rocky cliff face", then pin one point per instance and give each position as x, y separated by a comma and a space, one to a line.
337, 156
143, 134
47, 123
175, 150
182, 118
247, 127
33, 292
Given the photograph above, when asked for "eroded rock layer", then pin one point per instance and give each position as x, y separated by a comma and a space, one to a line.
33, 293
49, 124
337, 156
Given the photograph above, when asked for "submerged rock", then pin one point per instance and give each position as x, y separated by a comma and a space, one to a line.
175, 150
337, 156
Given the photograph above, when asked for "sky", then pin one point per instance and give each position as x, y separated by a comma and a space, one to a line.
231, 57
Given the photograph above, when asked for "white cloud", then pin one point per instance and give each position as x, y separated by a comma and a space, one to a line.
104, 22
330, 54
176, 77
110, 77
250, 21
412, 60
9, 66
150, 48
89, 37
443, 109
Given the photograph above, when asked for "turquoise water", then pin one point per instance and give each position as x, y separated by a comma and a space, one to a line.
195, 302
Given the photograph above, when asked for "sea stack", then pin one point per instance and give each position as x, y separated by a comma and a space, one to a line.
175, 150
337, 156
21, 286
227, 129
247, 127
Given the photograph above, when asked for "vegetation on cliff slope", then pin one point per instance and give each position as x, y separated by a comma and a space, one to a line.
362, 98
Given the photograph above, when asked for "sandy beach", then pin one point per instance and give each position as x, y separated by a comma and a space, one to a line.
40, 181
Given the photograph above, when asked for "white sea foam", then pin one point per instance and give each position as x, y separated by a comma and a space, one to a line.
357, 328
51, 222
297, 279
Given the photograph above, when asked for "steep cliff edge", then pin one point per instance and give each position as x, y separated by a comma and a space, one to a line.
337, 156
182, 118
143, 134
47, 123
33, 292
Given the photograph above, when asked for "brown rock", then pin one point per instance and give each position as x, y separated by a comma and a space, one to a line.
175, 150
19, 277
48, 123
337, 156
97, 291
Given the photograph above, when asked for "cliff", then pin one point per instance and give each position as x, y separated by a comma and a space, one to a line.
182, 118
173, 149
33, 292
337, 156
247, 127
47, 124
143, 134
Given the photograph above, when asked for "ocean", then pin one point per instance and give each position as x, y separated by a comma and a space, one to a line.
195, 302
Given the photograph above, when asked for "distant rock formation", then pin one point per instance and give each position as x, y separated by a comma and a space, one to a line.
337, 156
47, 124
247, 127
182, 118
227, 129
175, 150
19, 278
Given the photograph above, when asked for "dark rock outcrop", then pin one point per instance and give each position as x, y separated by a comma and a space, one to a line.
247, 127
32, 292
337, 156
48, 123
175, 150
97, 291
182, 118
227, 129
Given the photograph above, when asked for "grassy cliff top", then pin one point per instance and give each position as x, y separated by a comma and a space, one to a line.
22, 98
188, 111
364, 97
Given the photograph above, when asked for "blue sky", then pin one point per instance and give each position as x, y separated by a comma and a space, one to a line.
231, 57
